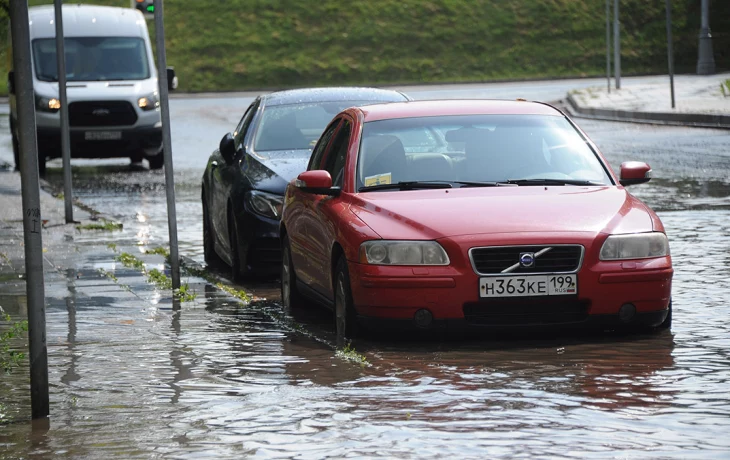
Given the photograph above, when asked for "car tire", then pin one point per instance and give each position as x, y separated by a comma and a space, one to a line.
290, 295
156, 161
236, 274
667, 323
211, 258
346, 323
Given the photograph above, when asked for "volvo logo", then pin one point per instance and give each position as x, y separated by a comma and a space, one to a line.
527, 259
101, 112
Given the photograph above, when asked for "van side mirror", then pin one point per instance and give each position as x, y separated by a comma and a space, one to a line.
634, 172
227, 148
11, 82
171, 79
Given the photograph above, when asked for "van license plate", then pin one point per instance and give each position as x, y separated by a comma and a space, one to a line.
523, 286
102, 135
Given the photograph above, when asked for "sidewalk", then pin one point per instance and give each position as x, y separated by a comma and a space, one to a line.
699, 100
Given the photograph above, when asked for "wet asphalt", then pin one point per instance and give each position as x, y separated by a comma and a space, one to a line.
223, 380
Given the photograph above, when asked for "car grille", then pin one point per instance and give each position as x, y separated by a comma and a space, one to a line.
101, 113
559, 259
526, 311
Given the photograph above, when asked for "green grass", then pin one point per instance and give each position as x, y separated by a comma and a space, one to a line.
106, 225
251, 44
727, 85
9, 357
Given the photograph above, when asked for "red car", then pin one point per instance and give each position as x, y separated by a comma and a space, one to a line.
483, 213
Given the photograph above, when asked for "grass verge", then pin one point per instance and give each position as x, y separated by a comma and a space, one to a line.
105, 225
158, 278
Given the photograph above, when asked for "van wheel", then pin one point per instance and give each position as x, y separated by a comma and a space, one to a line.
157, 161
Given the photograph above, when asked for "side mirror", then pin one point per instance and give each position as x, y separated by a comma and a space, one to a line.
227, 148
11, 82
171, 79
318, 182
634, 172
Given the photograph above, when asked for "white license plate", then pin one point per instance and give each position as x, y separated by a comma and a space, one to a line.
523, 286
102, 135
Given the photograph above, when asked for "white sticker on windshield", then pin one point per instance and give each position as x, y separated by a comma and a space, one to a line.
378, 179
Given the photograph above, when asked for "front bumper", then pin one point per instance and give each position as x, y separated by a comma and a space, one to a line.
259, 243
134, 141
451, 295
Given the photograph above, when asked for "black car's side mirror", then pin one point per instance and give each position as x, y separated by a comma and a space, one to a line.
171, 79
11, 82
227, 149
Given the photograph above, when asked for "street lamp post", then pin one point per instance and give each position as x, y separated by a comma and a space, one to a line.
705, 60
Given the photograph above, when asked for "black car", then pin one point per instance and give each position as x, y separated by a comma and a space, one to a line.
245, 179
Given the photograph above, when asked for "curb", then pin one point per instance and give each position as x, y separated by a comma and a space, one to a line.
694, 120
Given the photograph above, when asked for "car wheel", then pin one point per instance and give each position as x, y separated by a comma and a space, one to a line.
345, 316
156, 161
233, 239
667, 323
290, 296
211, 258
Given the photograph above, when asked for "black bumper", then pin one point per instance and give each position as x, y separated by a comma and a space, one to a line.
132, 142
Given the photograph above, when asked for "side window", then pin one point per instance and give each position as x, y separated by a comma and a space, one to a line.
316, 159
243, 125
335, 161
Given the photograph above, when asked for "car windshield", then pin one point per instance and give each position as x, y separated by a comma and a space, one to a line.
473, 150
297, 126
93, 59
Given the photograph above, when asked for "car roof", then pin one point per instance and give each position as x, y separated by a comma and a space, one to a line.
333, 94
87, 21
414, 109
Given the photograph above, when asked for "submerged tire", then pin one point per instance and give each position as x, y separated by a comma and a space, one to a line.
345, 316
290, 295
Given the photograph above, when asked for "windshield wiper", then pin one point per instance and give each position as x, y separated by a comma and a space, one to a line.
551, 182
464, 183
408, 185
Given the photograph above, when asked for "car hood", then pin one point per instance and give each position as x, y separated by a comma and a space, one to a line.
271, 171
433, 214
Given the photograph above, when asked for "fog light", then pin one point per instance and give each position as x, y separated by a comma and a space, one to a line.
423, 318
627, 312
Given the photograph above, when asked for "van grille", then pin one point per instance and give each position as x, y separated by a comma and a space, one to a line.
558, 259
101, 113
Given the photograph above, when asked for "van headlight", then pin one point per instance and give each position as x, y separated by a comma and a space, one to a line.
635, 246
147, 103
384, 252
265, 204
47, 104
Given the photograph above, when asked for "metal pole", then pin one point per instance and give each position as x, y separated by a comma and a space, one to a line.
65, 139
608, 45
31, 208
167, 142
705, 58
670, 48
616, 44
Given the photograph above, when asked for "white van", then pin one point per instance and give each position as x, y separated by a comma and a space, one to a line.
112, 85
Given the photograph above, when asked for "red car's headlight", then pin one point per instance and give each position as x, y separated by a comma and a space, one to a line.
635, 246
384, 252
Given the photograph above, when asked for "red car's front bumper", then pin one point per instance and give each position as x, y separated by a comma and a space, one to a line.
451, 294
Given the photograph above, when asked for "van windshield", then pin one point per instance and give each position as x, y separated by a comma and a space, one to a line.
93, 59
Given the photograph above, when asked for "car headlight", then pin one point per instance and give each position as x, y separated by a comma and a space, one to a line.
47, 104
265, 204
635, 246
147, 103
383, 252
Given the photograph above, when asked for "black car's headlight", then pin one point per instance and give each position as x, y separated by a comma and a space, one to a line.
385, 252
47, 104
149, 102
635, 246
265, 204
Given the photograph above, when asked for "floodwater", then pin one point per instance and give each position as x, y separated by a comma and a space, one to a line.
134, 379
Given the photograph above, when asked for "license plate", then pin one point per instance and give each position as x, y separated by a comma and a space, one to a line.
524, 286
102, 135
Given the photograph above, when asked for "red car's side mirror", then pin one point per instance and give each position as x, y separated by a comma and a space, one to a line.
634, 172
318, 182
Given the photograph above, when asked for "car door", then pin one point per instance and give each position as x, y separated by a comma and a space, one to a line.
324, 209
223, 178
301, 214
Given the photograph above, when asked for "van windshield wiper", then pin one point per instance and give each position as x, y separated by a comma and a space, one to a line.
551, 182
408, 185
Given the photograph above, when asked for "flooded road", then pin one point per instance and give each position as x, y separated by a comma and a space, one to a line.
225, 381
